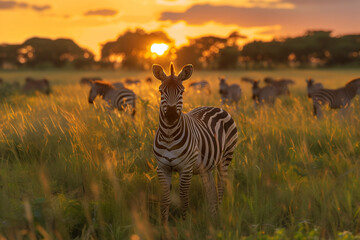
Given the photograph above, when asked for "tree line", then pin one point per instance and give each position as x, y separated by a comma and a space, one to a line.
131, 50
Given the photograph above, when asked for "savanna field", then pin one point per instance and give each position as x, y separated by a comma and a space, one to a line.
72, 170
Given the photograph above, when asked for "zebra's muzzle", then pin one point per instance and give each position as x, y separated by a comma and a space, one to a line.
171, 114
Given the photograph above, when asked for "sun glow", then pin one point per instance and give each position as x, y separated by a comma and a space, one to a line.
159, 48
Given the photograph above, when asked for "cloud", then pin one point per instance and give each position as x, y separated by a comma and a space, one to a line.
8, 5
339, 17
40, 8
101, 12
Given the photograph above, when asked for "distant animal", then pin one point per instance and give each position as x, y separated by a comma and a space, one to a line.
312, 86
229, 93
118, 85
335, 98
130, 81
119, 98
41, 85
261, 95
87, 80
190, 143
201, 85
149, 80
281, 84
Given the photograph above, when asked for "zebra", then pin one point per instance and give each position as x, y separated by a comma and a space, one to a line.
203, 84
120, 98
261, 95
87, 80
190, 143
335, 98
312, 86
281, 84
42, 85
229, 93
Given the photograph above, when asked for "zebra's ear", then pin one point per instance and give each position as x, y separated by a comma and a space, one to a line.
186, 72
158, 72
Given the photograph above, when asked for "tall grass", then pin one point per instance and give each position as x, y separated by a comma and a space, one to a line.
71, 170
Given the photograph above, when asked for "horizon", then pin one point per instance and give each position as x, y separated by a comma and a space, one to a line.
91, 24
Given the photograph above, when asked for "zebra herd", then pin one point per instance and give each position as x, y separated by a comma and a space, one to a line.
203, 139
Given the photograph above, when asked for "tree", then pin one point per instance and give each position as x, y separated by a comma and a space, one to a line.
132, 48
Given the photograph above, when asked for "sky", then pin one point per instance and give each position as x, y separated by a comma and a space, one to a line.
91, 23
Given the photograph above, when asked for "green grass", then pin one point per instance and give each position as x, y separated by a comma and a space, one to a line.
71, 170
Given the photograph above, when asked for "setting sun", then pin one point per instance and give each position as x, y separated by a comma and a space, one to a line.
159, 48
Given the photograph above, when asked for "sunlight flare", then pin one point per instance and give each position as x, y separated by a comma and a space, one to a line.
159, 48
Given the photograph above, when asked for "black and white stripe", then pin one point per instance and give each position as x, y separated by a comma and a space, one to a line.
193, 143
335, 98
120, 98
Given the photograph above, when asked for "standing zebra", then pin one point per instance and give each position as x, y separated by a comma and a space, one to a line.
229, 93
120, 98
281, 84
41, 85
261, 95
335, 98
198, 86
312, 86
190, 143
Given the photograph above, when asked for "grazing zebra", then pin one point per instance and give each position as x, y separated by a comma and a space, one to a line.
120, 98
190, 143
261, 95
87, 80
229, 93
130, 81
281, 84
41, 85
312, 86
335, 98
201, 85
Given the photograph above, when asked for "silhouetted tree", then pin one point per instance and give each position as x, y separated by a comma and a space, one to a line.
132, 48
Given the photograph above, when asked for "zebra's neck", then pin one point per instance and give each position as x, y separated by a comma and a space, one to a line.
169, 130
350, 91
105, 92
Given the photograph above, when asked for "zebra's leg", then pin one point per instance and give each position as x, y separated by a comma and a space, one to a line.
222, 174
165, 183
185, 179
211, 194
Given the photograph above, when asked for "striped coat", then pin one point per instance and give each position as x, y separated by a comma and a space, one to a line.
119, 98
335, 98
193, 143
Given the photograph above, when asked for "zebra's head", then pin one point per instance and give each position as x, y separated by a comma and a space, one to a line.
98, 87
171, 90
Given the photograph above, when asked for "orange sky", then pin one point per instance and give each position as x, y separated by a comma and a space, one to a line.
92, 22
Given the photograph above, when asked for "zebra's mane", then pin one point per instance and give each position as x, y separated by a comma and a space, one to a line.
353, 81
